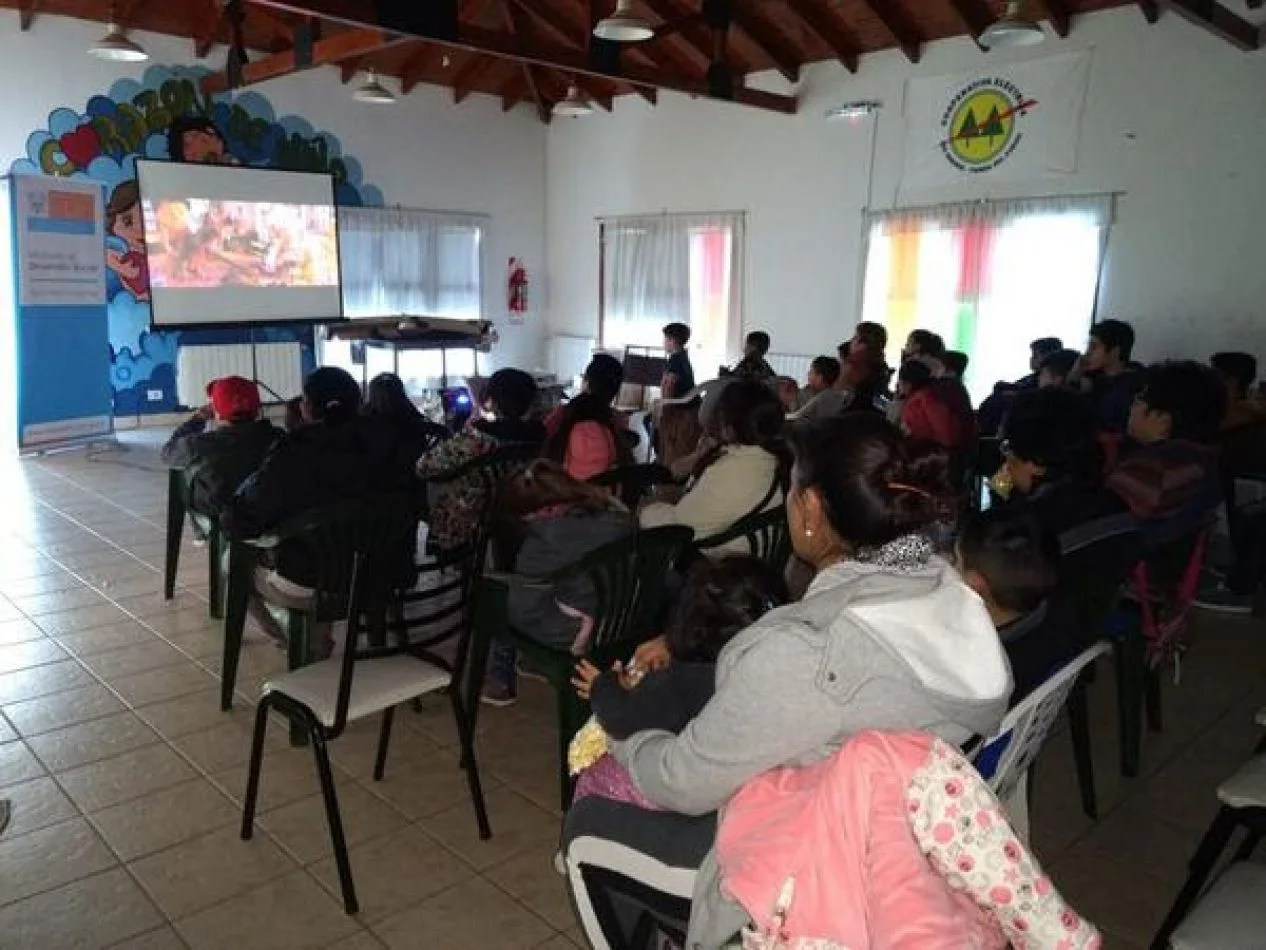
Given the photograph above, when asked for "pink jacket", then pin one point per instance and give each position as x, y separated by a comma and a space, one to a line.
894, 842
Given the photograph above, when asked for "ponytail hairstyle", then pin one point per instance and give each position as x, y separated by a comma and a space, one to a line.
332, 395
603, 378
546, 484
875, 485
748, 412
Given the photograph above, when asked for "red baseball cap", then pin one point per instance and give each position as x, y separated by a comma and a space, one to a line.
234, 397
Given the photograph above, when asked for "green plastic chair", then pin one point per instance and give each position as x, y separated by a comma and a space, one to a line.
767, 533
179, 481
327, 539
628, 578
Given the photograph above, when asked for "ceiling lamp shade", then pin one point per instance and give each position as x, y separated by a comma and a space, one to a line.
117, 48
1011, 30
371, 90
573, 105
623, 25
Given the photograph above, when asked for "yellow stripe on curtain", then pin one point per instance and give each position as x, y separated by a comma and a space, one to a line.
903, 286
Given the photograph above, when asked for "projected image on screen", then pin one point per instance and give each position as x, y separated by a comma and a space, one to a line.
238, 245
194, 242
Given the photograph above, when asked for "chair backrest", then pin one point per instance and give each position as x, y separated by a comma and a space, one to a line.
627, 577
766, 532
632, 483
327, 540
1005, 756
1165, 584
1095, 561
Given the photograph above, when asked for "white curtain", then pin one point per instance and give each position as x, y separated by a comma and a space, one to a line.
674, 268
988, 276
403, 261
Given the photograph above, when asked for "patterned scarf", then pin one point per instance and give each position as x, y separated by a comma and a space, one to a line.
910, 552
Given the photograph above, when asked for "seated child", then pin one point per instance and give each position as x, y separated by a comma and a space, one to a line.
1013, 565
721, 598
1168, 471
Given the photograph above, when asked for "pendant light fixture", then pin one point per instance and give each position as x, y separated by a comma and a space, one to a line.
1011, 30
574, 105
623, 25
372, 91
116, 47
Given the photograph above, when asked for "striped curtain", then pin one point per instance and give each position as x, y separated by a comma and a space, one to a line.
988, 276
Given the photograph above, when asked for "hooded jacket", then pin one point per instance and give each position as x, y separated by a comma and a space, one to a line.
868, 647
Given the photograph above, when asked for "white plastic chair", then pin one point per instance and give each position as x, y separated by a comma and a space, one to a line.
1232, 916
1004, 758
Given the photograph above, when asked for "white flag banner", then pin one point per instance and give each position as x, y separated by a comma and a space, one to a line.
1009, 122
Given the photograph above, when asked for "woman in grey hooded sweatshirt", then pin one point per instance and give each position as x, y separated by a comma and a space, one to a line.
887, 637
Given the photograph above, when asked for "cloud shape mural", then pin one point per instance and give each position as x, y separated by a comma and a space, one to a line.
133, 120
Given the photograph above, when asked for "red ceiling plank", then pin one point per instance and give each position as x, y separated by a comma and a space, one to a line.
769, 39
337, 48
26, 14
828, 27
897, 22
411, 71
514, 48
349, 69
692, 33
975, 15
547, 13
1218, 20
1150, 10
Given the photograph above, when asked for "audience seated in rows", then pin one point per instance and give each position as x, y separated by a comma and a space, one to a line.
863, 372
586, 435
1058, 368
741, 473
457, 509
822, 398
1013, 564
386, 400
994, 407
226, 455
887, 637
1167, 472
1113, 380
1242, 435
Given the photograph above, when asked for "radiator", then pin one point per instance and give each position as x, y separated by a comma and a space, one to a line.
794, 365
277, 366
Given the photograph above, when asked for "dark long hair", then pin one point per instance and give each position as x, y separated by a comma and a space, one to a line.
603, 378
721, 599
749, 413
386, 396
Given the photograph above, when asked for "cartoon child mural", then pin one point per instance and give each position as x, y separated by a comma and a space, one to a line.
123, 221
196, 140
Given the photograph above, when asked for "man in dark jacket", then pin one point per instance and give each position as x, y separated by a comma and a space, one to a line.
226, 456
1114, 380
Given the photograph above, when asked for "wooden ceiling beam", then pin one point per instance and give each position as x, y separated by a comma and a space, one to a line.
1150, 10
692, 31
976, 16
349, 69
575, 62
411, 71
534, 87
26, 14
342, 46
669, 27
1218, 20
769, 39
1060, 16
204, 37
547, 13
472, 73
897, 22
828, 27
515, 19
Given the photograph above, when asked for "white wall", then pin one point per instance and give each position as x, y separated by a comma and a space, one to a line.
424, 152
1174, 117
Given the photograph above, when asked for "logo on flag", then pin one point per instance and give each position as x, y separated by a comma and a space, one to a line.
980, 124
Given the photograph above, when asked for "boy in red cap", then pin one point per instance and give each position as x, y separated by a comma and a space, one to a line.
225, 456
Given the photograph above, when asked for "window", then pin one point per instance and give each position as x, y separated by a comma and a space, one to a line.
673, 268
989, 277
403, 261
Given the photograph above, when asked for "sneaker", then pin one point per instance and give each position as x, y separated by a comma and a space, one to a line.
1222, 600
499, 695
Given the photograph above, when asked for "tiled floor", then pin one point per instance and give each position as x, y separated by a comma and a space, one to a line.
126, 779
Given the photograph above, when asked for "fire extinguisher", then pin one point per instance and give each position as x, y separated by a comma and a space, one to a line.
517, 288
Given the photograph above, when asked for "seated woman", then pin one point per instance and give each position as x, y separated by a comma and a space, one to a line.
933, 409
458, 508
888, 636
584, 435
387, 401
556, 520
742, 475
1053, 461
